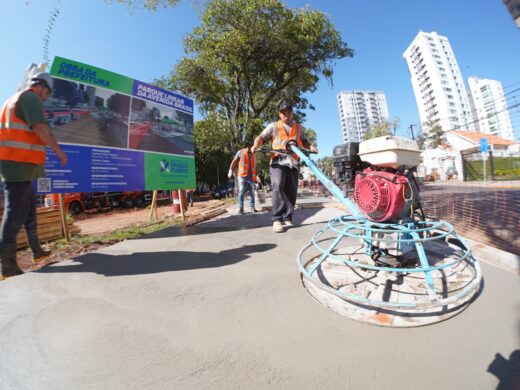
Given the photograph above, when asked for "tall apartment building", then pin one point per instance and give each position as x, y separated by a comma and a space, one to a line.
437, 82
358, 110
489, 107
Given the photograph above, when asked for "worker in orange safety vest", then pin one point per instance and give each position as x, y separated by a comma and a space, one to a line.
283, 168
23, 136
246, 175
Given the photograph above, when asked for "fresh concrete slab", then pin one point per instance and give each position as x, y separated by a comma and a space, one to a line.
221, 306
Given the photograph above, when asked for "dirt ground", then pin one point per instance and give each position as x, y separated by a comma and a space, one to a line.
106, 222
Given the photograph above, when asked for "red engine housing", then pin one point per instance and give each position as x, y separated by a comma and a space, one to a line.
380, 195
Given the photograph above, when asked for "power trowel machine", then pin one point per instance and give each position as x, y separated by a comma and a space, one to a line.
385, 263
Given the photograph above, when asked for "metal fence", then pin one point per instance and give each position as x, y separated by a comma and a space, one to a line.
496, 168
488, 212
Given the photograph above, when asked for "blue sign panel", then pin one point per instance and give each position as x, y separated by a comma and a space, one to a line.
92, 169
484, 147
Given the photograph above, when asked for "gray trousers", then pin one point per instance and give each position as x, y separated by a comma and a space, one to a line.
284, 183
19, 210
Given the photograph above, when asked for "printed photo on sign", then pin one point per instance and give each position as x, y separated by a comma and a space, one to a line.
157, 128
87, 115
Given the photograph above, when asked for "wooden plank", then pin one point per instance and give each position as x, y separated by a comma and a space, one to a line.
49, 226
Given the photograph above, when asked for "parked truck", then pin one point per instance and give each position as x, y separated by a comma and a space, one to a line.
78, 202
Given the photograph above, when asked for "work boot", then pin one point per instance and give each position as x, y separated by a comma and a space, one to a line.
8, 261
39, 254
241, 211
278, 227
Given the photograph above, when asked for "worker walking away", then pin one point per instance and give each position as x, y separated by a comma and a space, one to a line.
189, 196
246, 162
283, 168
23, 136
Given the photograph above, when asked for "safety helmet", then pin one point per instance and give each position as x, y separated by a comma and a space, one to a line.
43, 78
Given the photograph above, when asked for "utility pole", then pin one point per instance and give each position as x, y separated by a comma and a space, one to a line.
411, 131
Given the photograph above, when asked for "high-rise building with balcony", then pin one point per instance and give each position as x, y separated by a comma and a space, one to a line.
358, 111
437, 82
489, 107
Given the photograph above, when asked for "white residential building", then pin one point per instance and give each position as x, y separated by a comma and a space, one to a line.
489, 107
437, 82
358, 110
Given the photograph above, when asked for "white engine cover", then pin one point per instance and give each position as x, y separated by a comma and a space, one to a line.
390, 152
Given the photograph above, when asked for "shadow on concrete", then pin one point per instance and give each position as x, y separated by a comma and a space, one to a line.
156, 262
231, 222
507, 371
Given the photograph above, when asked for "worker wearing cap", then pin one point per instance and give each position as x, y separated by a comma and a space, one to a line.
23, 136
283, 168
246, 176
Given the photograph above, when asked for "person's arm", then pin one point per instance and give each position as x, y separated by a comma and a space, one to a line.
44, 133
265, 135
307, 145
232, 166
257, 143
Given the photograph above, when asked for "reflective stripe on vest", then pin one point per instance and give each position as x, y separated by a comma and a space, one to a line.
246, 163
18, 142
281, 138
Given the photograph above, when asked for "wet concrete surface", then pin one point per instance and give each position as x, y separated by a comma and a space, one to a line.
221, 306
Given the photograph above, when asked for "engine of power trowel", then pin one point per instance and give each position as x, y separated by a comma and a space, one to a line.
378, 174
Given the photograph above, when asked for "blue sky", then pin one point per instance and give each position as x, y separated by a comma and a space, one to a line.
143, 45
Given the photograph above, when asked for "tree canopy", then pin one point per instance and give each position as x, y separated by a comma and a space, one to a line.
432, 135
151, 5
248, 55
380, 129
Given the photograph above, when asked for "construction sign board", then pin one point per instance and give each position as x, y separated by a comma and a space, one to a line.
120, 134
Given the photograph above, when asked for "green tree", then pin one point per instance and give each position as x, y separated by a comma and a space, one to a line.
248, 55
386, 127
151, 5
378, 130
311, 135
326, 165
432, 135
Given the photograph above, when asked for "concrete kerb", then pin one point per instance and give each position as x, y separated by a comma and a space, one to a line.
496, 257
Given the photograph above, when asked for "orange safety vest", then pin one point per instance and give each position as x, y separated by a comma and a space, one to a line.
281, 138
246, 163
18, 141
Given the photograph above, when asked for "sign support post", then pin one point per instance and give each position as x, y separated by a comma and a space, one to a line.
153, 206
64, 226
182, 205
484, 147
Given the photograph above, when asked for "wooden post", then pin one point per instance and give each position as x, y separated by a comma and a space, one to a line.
153, 207
182, 205
64, 226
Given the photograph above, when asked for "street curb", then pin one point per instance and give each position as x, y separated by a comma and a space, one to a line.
498, 258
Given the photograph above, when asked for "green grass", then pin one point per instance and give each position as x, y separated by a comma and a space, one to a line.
85, 241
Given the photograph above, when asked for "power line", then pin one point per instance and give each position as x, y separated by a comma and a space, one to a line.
488, 116
511, 85
503, 97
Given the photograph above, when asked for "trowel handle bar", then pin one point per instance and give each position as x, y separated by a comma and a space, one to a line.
328, 184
